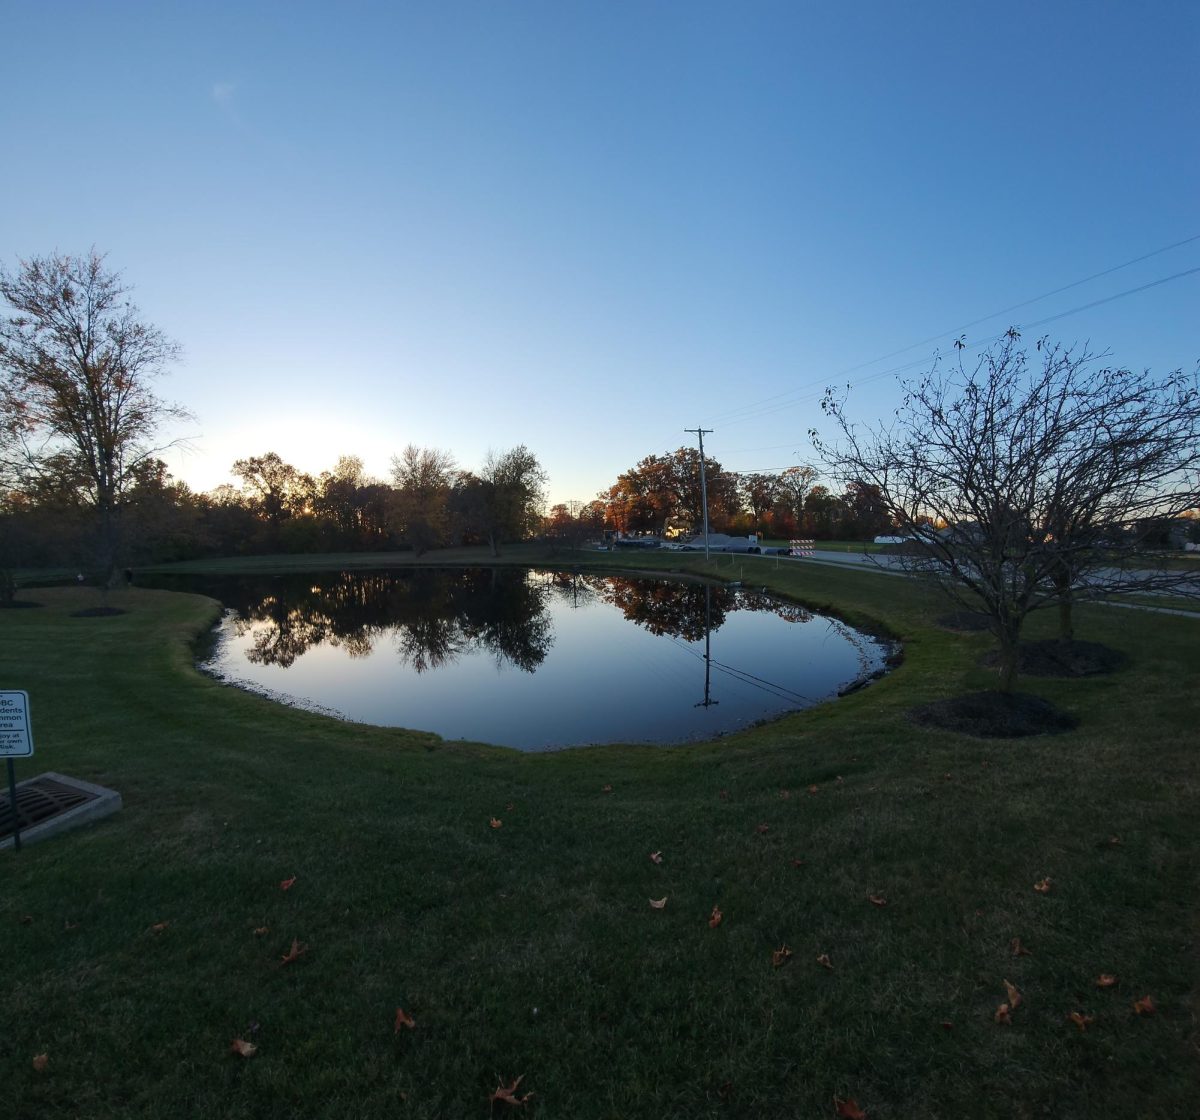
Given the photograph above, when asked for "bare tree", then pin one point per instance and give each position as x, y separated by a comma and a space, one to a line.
76, 365
1024, 485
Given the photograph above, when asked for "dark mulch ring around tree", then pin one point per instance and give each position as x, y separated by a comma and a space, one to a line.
16, 604
995, 715
98, 612
1054, 658
964, 620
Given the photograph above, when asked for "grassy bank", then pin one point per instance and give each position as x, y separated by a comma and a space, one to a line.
136, 950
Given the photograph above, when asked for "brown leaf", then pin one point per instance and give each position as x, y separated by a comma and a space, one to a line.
1042, 886
658, 903
159, 927
656, 857
26, 919
947, 1025
1018, 950
508, 1094
1080, 1020
69, 925
723, 794
1114, 841
1104, 980
785, 794
40, 1062
715, 918
286, 884
876, 900
603, 789
262, 931
403, 1020
797, 863
510, 807
495, 822
761, 828
1002, 1015
1014, 996
1144, 1006
848, 1110
297, 950
242, 1048
781, 956
824, 961
812, 789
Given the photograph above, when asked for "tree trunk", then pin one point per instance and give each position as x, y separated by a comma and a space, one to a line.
1066, 624
1010, 656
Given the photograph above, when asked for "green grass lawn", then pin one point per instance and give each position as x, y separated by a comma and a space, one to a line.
531, 949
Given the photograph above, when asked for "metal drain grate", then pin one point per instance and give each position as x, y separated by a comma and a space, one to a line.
38, 800
52, 802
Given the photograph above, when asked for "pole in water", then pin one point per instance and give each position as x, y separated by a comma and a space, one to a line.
12, 800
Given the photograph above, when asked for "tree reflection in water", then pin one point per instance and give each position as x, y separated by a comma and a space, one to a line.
433, 617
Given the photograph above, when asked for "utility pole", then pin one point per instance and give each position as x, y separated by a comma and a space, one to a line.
700, 434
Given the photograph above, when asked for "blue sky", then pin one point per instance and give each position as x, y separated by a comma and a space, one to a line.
586, 227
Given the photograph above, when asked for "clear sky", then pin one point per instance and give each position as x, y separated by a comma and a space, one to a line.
587, 226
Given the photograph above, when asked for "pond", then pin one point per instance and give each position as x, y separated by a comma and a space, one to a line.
530, 659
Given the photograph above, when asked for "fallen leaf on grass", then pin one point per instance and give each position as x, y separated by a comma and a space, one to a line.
510, 807
1042, 886
40, 1062
1144, 1006
1018, 950
297, 950
508, 1094
1002, 1015
876, 900
69, 925
848, 1110
1114, 841
797, 863
947, 1025
26, 919
603, 789
159, 927
658, 903
1080, 1020
781, 956
286, 884
1104, 980
1014, 996
656, 857
262, 931
785, 794
812, 789
715, 918
761, 828
824, 961
403, 1020
242, 1048
495, 822
723, 794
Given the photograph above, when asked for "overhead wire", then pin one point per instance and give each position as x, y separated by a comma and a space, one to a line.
768, 404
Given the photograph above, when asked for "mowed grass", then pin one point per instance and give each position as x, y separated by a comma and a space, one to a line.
531, 949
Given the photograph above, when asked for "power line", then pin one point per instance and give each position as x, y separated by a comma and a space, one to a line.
766, 405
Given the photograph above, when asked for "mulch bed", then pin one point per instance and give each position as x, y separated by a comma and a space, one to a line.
1054, 658
995, 715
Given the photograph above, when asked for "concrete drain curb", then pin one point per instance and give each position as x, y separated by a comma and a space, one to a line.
52, 803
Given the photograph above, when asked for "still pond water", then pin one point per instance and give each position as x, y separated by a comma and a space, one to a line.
534, 660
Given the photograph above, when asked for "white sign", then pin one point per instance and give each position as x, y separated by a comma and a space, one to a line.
16, 740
